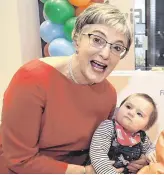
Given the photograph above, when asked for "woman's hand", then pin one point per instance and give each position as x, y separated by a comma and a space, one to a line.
136, 165
75, 169
89, 169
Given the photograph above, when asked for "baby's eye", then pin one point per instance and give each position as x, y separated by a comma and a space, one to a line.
139, 114
129, 107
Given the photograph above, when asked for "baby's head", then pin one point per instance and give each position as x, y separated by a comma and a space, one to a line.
137, 112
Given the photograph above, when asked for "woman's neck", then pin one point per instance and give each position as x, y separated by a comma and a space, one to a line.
75, 72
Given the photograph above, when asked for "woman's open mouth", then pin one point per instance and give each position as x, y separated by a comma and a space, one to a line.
98, 66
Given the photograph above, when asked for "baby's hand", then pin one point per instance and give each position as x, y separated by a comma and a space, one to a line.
119, 170
151, 157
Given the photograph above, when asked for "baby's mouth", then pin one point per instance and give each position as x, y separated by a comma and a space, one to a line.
128, 118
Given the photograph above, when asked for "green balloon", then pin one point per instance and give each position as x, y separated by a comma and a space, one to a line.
58, 11
68, 27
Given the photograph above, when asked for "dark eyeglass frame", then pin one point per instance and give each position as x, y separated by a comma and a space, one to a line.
126, 49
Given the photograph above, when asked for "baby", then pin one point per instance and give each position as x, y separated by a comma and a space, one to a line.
123, 139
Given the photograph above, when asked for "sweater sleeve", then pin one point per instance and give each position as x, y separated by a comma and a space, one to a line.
22, 109
148, 146
100, 146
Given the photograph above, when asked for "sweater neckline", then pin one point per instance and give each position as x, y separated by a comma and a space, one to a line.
69, 80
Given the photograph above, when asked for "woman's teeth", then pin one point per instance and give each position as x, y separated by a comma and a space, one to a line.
98, 66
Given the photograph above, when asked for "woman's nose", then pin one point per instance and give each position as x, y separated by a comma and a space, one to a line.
106, 52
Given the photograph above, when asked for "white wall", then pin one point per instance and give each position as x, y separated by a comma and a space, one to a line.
19, 37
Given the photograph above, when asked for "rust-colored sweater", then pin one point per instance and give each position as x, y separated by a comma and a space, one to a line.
46, 116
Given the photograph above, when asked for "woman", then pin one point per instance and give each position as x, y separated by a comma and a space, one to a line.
53, 105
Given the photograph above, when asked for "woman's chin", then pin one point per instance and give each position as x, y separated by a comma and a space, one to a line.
96, 78
96, 81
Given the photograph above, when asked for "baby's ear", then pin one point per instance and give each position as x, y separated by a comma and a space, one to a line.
113, 113
116, 110
146, 128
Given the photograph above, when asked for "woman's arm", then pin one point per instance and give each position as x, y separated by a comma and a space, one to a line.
136, 165
23, 105
77, 169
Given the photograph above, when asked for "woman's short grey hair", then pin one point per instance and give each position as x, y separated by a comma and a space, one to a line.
103, 13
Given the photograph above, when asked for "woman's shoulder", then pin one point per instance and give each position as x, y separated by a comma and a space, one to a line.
110, 91
41, 67
56, 62
47, 63
110, 86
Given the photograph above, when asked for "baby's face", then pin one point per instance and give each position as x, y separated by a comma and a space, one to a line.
134, 114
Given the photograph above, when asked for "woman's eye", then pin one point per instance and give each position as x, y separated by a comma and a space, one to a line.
97, 40
118, 48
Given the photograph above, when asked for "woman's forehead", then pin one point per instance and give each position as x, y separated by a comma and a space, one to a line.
111, 34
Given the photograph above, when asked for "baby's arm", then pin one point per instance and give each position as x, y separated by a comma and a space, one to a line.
99, 149
149, 150
151, 157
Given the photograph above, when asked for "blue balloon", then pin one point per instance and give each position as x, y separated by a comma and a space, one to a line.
50, 31
61, 47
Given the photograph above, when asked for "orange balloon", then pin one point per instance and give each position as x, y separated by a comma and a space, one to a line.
78, 10
46, 53
98, 1
79, 3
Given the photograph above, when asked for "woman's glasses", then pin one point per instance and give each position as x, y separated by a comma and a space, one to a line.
100, 43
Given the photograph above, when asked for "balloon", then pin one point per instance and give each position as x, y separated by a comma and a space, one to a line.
61, 47
59, 11
49, 31
98, 1
44, 16
68, 28
82, 8
43, 1
79, 2
46, 53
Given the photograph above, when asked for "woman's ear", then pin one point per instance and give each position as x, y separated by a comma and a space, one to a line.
75, 44
75, 38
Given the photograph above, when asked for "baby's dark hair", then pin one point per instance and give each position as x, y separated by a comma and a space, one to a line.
154, 114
